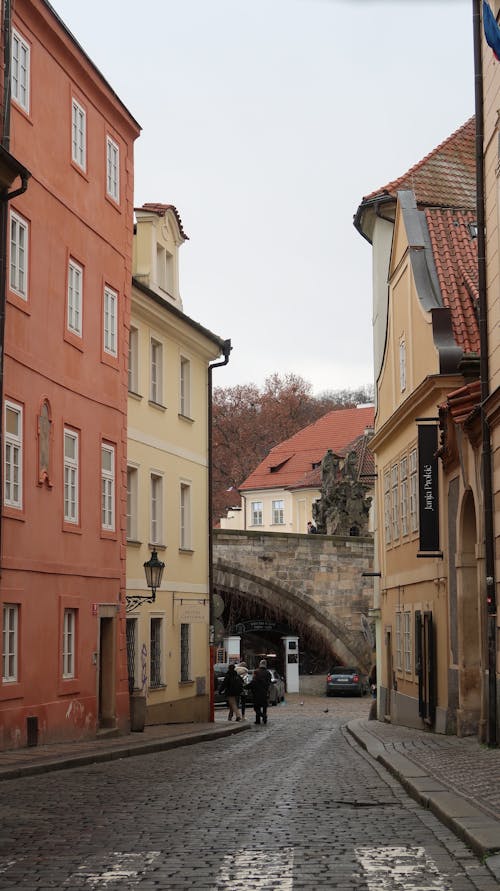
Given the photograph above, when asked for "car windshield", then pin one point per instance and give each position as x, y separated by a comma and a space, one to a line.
340, 669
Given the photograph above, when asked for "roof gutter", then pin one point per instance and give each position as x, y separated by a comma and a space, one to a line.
489, 548
226, 350
372, 204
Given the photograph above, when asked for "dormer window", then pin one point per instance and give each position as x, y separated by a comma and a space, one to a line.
164, 270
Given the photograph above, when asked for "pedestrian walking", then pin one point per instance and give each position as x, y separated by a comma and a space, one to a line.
232, 685
260, 685
242, 670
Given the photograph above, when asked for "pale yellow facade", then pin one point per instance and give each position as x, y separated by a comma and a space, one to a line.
273, 510
167, 481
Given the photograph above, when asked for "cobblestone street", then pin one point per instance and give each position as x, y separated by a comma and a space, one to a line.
291, 805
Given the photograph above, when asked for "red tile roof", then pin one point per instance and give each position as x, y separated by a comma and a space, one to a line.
463, 402
161, 209
455, 256
446, 177
365, 464
287, 464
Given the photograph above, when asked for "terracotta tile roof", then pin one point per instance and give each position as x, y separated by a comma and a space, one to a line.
446, 177
161, 209
287, 464
463, 402
455, 256
365, 464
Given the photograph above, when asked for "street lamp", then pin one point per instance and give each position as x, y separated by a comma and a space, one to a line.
153, 569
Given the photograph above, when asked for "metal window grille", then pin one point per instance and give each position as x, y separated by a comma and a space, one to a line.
132, 653
155, 654
185, 655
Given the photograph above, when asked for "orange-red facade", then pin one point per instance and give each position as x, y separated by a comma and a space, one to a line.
68, 258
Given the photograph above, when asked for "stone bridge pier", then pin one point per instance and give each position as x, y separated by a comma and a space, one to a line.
312, 581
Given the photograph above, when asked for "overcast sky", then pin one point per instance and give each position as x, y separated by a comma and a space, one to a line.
265, 122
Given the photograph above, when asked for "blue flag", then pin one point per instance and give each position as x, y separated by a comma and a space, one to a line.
491, 30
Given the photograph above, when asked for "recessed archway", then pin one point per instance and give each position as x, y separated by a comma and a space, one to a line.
469, 640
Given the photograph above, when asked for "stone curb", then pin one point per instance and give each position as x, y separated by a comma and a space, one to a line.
97, 755
478, 830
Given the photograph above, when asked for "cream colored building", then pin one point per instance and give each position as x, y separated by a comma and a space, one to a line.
167, 478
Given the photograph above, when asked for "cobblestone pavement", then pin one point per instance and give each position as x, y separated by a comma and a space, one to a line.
292, 805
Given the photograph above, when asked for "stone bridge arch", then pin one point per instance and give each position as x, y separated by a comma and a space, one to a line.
313, 581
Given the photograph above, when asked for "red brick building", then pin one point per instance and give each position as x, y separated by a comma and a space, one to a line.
68, 251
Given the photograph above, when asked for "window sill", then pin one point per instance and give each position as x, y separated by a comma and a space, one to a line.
186, 551
157, 405
133, 543
185, 418
134, 395
154, 546
153, 687
186, 683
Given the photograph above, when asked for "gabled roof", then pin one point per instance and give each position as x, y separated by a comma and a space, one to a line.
289, 462
161, 210
446, 177
454, 248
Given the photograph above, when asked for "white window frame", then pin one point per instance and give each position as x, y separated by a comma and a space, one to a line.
69, 643
71, 478
407, 648
185, 652
395, 501
20, 74
403, 475
278, 512
413, 491
185, 387
185, 517
399, 643
156, 658
112, 169
132, 502
156, 509
75, 298
156, 371
133, 360
78, 134
110, 315
387, 507
10, 643
108, 487
13, 458
256, 513
18, 258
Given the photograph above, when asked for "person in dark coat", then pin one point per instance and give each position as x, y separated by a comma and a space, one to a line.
232, 686
260, 685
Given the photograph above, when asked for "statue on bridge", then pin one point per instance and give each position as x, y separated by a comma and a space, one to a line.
344, 505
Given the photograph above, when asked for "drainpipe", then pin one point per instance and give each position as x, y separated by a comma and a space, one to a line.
226, 349
489, 554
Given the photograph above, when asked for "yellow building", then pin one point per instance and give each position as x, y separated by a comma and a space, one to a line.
167, 479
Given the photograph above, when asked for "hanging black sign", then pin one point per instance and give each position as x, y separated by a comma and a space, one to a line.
428, 493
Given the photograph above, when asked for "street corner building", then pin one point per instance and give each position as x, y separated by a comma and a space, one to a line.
434, 592
67, 246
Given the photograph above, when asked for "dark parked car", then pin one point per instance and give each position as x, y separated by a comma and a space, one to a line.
276, 690
346, 680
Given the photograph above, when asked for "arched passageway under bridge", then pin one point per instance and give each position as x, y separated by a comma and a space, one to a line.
313, 583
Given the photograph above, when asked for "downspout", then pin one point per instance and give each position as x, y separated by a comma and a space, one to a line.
226, 350
489, 554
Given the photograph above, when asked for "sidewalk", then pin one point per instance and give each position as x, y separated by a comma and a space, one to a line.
457, 779
59, 756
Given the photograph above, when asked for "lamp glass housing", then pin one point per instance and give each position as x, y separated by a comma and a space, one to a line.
154, 571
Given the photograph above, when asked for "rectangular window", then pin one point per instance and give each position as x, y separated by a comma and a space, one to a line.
407, 641
413, 491
75, 288
10, 642
403, 472
18, 278
402, 364
278, 512
108, 487
110, 321
399, 651
133, 361
256, 513
185, 518
156, 390
68, 650
132, 654
112, 169
387, 507
13, 455
395, 501
70, 476
79, 135
155, 653
185, 388
185, 652
156, 532
132, 477
20, 79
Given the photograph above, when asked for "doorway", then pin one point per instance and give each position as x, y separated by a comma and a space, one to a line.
106, 681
